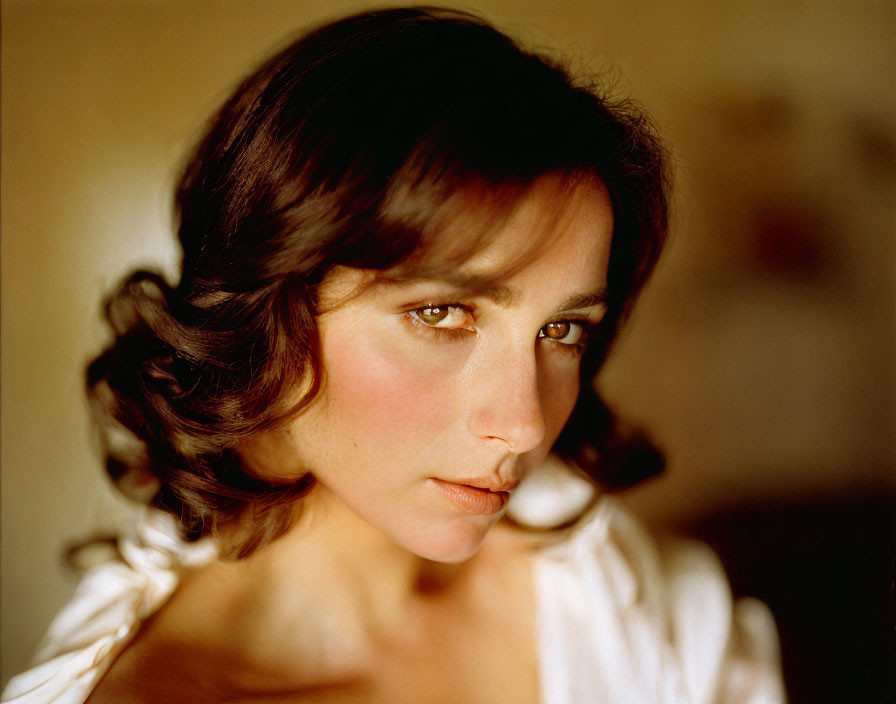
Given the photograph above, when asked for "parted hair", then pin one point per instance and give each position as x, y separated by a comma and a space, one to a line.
347, 148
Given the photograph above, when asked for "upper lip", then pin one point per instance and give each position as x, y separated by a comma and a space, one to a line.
488, 483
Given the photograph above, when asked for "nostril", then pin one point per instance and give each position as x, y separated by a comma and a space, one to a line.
507, 426
506, 403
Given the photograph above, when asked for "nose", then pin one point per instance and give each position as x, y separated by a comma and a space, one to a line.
506, 401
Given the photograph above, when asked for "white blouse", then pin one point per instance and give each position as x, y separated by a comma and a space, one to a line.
618, 621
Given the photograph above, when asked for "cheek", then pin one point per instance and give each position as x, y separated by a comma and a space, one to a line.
374, 387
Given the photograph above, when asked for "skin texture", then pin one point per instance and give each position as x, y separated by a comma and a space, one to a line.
426, 380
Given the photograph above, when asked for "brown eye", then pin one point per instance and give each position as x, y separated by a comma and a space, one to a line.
557, 331
564, 332
433, 315
448, 316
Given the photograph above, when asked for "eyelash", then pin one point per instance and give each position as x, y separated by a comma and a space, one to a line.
455, 333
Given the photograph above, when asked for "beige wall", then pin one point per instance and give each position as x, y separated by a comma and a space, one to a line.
761, 358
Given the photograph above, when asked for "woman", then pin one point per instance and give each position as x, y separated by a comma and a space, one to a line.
406, 245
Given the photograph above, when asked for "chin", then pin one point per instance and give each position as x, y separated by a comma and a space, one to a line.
450, 544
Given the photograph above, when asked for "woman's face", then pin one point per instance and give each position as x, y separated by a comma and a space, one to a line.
439, 396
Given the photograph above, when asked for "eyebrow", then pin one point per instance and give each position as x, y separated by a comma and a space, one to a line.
585, 300
500, 294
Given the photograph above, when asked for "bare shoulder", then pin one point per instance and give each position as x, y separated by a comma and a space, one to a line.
155, 668
179, 653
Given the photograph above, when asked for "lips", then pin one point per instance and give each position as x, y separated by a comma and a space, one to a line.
488, 483
483, 497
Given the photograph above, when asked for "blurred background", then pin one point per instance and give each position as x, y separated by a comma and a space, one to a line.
761, 357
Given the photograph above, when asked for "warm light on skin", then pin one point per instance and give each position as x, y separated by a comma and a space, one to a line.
405, 400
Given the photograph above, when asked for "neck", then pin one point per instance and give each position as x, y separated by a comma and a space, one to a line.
333, 578
331, 596
332, 539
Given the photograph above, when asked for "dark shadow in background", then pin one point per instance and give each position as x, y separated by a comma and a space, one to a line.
827, 569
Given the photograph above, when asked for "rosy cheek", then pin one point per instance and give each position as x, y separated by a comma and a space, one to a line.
380, 389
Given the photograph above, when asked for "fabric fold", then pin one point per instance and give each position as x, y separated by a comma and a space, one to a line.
109, 605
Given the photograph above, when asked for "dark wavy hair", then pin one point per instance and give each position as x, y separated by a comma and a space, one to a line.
349, 148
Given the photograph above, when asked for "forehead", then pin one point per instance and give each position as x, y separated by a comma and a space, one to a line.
488, 236
551, 217
556, 225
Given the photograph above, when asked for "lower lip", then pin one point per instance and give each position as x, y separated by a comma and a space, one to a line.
481, 502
